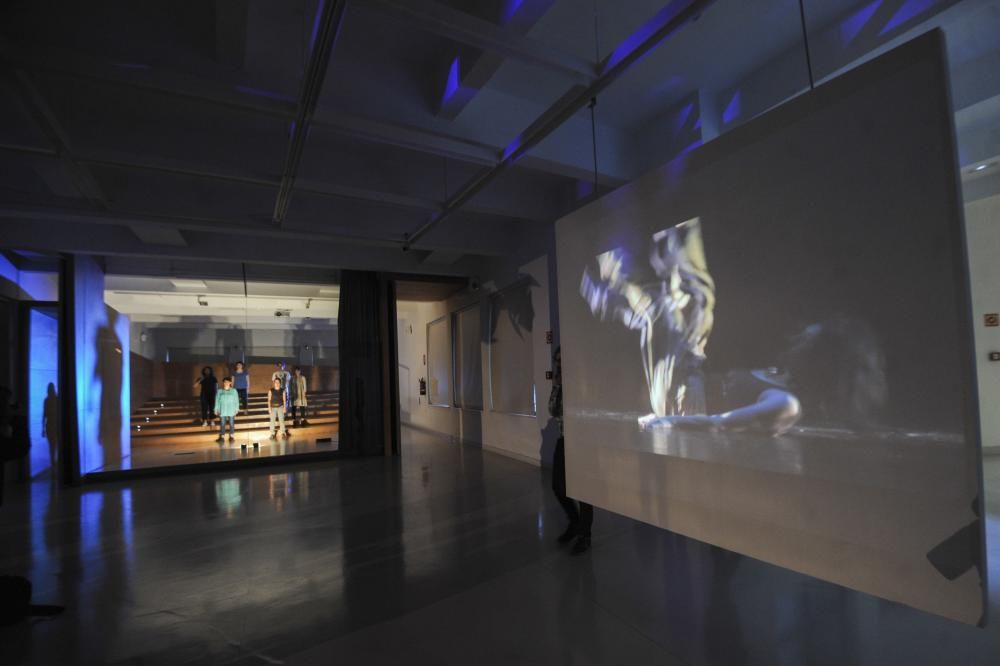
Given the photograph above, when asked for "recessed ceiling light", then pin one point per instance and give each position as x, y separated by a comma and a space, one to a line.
180, 283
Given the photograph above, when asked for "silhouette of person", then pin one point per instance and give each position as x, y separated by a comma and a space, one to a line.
108, 371
50, 425
580, 514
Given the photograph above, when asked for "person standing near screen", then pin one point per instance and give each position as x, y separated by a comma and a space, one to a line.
299, 400
241, 382
209, 384
276, 400
580, 514
227, 406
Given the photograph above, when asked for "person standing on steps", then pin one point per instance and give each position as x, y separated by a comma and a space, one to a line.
227, 406
276, 398
580, 514
209, 384
241, 382
299, 399
285, 378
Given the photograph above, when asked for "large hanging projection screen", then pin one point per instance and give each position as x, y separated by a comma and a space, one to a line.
767, 347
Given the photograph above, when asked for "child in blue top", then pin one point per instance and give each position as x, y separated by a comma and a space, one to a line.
241, 382
227, 406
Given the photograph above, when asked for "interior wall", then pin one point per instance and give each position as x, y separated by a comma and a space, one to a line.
521, 436
174, 380
411, 330
982, 221
230, 343
102, 372
529, 438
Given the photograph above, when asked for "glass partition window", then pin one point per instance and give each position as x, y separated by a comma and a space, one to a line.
468, 359
512, 368
439, 363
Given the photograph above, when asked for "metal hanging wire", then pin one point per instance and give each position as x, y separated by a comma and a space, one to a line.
805, 42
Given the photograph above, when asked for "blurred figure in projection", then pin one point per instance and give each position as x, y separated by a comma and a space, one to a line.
673, 315
580, 514
835, 368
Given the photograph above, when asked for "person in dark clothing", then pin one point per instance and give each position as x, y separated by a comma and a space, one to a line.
209, 384
580, 514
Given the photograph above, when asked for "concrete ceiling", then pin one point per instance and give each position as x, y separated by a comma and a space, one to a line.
300, 137
163, 300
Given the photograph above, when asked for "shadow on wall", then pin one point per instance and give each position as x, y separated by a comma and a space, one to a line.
513, 301
231, 343
108, 372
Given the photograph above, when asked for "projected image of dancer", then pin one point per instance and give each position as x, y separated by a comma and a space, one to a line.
673, 315
833, 370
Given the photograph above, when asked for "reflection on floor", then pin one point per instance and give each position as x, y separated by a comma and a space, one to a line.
445, 556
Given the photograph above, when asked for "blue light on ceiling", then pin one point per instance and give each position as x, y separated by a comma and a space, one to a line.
908, 10
512, 147
510, 8
852, 26
315, 28
644, 32
453, 83
682, 116
734, 108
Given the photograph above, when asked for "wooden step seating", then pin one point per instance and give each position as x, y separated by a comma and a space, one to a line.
163, 418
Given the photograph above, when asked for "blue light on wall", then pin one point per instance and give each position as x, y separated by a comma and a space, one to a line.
102, 374
43, 390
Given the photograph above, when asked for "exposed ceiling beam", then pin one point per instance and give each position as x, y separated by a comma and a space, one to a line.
329, 17
469, 73
465, 28
45, 119
650, 35
243, 98
161, 165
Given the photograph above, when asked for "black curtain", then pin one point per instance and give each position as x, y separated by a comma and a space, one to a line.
366, 350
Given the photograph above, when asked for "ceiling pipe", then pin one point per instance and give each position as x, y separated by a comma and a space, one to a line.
645, 39
328, 21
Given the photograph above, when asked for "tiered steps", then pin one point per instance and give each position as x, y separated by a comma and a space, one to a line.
164, 418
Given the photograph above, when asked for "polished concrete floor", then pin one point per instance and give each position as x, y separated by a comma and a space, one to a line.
444, 556
202, 448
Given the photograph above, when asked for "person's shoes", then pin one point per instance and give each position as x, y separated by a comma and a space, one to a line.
305, 422
204, 424
285, 434
581, 546
567, 536
231, 439
273, 436
220, 439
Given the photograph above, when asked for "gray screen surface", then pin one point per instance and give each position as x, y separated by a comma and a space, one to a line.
766, 343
